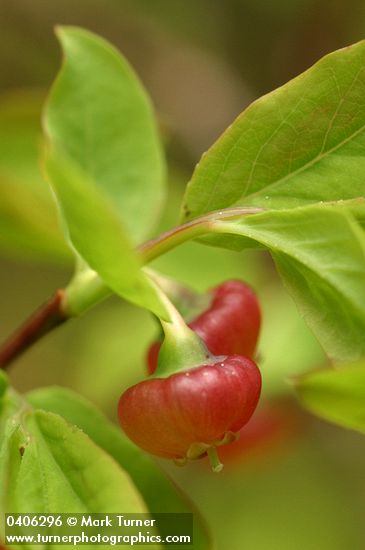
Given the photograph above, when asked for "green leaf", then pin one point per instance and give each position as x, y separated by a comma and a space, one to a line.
99, 114
59, 469
157, 490
97, 233
10, 403
49, 466
29, 226
4, 381
336, 395
319, 251
300, 144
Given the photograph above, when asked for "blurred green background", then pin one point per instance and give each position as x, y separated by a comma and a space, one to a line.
297, 482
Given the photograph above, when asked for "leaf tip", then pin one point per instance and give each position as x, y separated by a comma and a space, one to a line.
63, 32
59, 31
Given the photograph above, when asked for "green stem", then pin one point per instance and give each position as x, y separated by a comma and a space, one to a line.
191, 230
181, 348
188, 302
87, 288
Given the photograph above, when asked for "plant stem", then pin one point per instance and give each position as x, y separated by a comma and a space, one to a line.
182, 347
189, 302
88, 289
191, 230
85, 289
49, 316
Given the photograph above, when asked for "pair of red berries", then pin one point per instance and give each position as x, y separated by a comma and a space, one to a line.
188, 414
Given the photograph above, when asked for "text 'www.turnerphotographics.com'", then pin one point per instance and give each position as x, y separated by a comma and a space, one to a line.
107, 529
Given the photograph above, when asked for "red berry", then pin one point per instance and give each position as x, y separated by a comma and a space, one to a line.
189, 413
152, 357
229, 326
232, 323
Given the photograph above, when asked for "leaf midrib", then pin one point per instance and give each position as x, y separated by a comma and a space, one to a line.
303, 168
309, 164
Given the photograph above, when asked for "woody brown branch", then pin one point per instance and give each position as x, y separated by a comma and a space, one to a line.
46, 318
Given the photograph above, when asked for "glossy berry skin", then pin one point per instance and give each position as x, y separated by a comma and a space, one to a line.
230, 325
184, 414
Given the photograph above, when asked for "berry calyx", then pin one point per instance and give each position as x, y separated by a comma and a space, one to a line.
190, 413
229, 326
